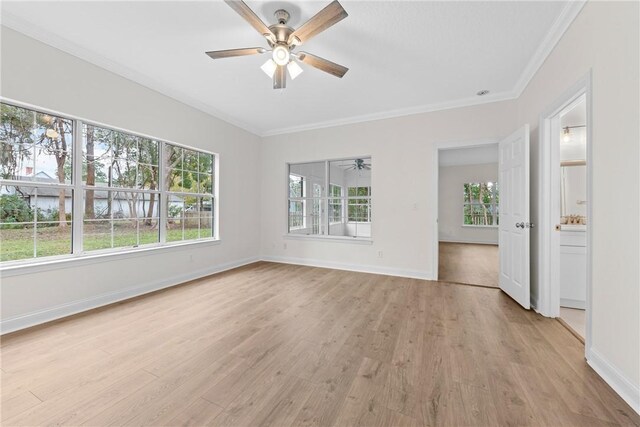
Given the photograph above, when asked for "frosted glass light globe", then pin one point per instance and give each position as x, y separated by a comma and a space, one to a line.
281, 55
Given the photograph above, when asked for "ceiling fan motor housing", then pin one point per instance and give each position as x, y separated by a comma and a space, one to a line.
282, 32
282, 16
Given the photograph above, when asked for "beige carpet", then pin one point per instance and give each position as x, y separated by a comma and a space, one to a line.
468, 263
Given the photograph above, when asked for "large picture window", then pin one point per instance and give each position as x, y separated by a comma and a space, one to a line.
330, 198
481, 202
129, 191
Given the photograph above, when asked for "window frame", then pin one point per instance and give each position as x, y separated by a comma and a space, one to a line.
78, 187
495, 215
325, 201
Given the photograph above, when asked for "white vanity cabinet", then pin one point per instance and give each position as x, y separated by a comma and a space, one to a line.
573, 268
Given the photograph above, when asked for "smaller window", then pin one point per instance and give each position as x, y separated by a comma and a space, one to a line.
481, 203
359, 204
296, 202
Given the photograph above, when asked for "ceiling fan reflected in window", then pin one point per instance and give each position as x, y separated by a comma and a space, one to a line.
358, 164
283, 40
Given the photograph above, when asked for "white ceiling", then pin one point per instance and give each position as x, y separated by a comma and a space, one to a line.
479, 155
404, 57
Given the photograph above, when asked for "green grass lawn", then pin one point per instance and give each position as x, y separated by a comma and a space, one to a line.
19, 243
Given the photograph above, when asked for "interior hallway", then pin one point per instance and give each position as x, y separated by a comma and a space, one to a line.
468, 263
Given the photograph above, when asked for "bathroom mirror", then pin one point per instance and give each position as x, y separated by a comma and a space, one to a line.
573, 188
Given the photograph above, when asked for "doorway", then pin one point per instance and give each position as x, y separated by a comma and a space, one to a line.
468, 202
565, 211
572, 218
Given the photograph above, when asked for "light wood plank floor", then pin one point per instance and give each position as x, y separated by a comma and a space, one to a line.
468, 263
272, 344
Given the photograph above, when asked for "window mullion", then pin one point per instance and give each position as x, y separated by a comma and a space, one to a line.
78, 192
163, 201
327, 191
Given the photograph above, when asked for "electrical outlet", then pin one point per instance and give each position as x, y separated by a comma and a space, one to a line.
380, 254
284, 246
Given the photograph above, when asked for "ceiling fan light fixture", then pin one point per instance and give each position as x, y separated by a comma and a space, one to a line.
281, 55
294, 69
269, 68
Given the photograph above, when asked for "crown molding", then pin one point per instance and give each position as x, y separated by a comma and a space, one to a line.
555, 33
557, 30
36, 32
402, 112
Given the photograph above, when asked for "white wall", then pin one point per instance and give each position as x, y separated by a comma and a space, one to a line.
605, 39
451, 180
35, 73
402, 185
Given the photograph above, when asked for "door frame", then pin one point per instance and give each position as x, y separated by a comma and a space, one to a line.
548, 301
437, 147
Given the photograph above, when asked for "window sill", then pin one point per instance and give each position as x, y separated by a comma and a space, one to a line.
339, 239
479, 226
18, 268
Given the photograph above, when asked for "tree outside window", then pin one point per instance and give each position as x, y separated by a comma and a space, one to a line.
481, 204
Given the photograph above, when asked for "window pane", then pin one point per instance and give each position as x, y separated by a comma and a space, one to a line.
296, 186
117, 159
206, 217
35, 146
189, 218
296, 215
34, 222
188, 170
114, 219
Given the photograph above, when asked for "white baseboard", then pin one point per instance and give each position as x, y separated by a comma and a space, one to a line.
374, 269
13, 324
573, 303
474, 242
629, 391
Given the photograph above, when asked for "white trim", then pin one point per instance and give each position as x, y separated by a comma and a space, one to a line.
47, 315
555, 33
629, 391
435, 177
402, 112
559, 27
325, 238
109, 255
473, 242
479, 226
548, 298
373, 269
573, 303
17, 103
35, 264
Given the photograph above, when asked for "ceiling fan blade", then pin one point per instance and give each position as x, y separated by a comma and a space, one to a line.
249, 15
218, 54
323, 64
280, 77
322, 20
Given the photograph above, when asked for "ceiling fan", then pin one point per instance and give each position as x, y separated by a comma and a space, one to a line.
283, 39
358, 164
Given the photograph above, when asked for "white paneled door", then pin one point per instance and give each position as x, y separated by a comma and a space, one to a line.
514, 216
